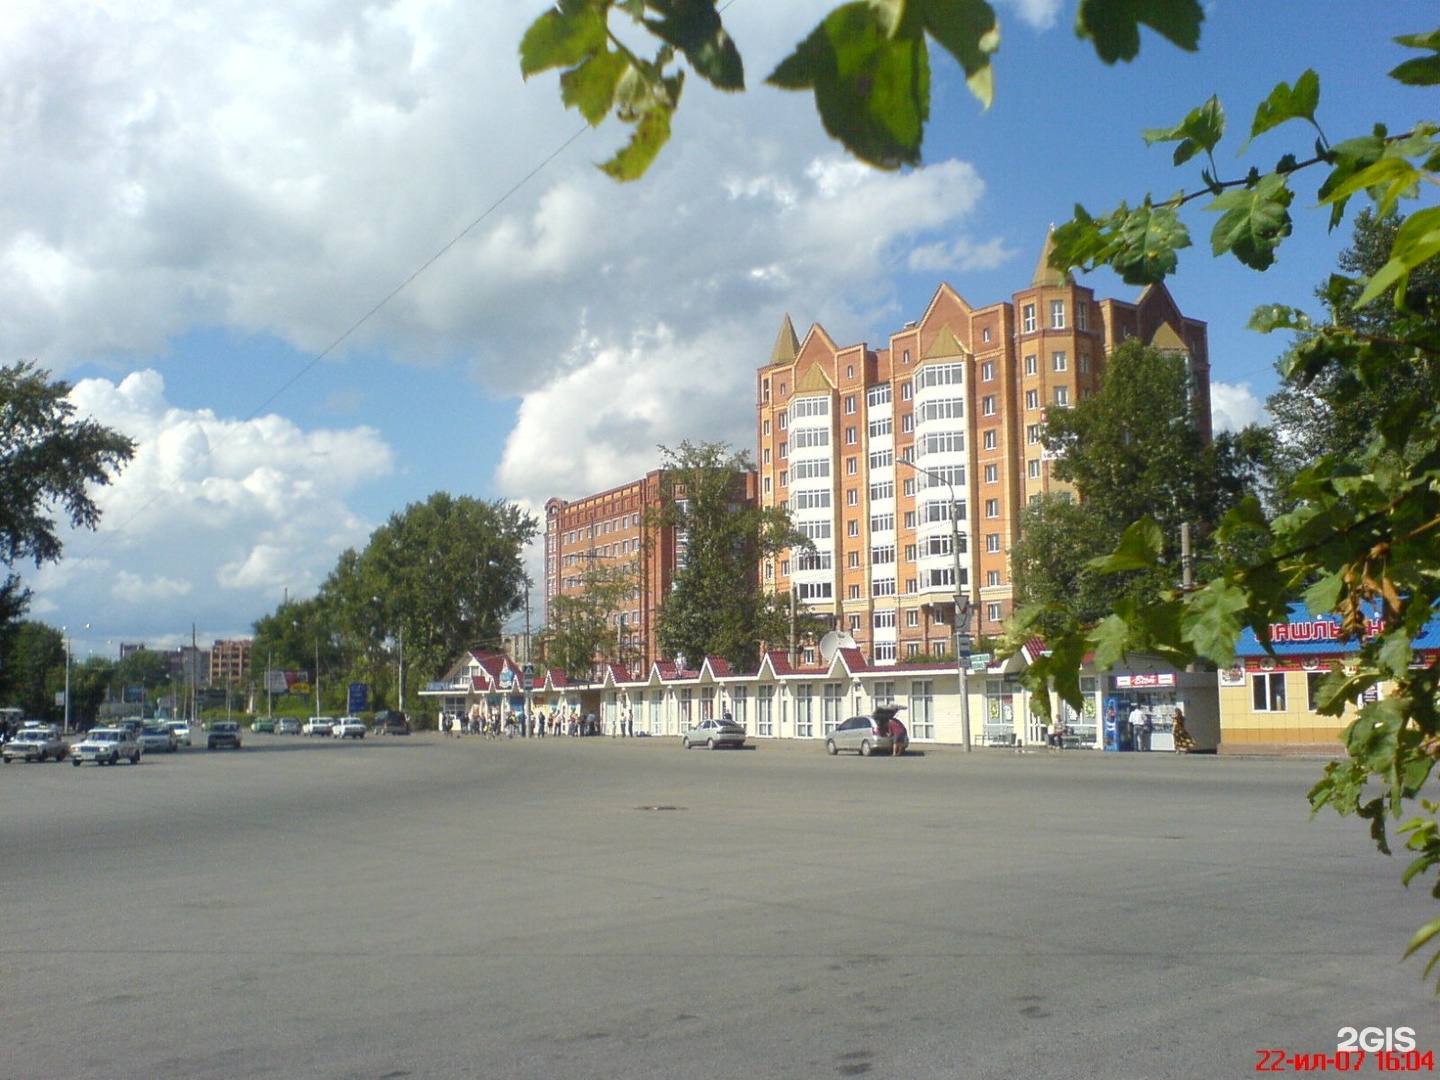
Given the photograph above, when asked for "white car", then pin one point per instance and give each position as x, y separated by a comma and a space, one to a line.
106, 746
349, 727
35, 743
319, 725
181, 728
157, 738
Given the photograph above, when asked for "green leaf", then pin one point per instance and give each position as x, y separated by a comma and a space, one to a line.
1254, 221
1272, 317
968, 31
1288, 103
694, 27
1416, 242
1140, 548
1201, 130
1421, 70
1213, 619
872, 90
1146, 243
1114, 25
590, 87
563, 36
1423, 935
652, 132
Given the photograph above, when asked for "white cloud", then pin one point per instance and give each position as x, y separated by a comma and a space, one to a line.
214, 518
1235, 407
1041, 14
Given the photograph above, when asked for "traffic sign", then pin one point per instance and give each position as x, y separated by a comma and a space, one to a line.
527, 676
980, 661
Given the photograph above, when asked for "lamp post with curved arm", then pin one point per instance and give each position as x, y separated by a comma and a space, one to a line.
962, 640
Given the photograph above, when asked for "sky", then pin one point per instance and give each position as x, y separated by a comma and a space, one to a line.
323, 258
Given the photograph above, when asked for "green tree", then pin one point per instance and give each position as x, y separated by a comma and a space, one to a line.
48, 462
716, 605
35, 653
1049, 563
1331, 412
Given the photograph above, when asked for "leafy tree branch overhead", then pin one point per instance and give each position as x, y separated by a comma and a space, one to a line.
867, 63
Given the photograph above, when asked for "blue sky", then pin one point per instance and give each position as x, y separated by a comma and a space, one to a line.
202, 198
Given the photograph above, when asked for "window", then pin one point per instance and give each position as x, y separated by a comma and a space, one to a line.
990, 440
987, 405
882, 489
815, 530
1084, 363
811, 500
783, 420
832, 706
880, 426
810, 406
765, 457
992, 508
943, 442
803, 715
944, 409
940, 375
992, 474
1034, 433
813, 590
994, 612
1032, 468
878, 395
854, 593
909, 519
1057, 314
852, 560
882, 459
912, 648
906, 391
1032, 399
852, 466
765, 486
1058, 361
852, 497
1268, 690
992, 543
884, 650
884, 620
882, 555
1032, 365
809, 470
854, 623
819, 560
910, 550
922, 709
852, 528
907, 422
987, 370
1062, 395
784, 478
1027, 320
1082, 315
765, 710
992, 578
850, 405
805, 438
852, 436
882, 523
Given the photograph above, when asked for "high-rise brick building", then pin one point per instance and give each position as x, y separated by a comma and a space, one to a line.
962, 393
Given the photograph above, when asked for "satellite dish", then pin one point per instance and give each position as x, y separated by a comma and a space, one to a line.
833, 642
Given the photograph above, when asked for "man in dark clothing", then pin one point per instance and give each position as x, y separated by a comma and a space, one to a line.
899, 737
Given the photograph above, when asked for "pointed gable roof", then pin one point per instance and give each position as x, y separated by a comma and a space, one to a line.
1045, 274
787, 344
813, 381
946, 344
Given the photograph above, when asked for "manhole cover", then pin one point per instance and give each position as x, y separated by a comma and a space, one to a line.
661, 808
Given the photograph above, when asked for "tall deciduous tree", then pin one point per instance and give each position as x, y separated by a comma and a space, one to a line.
717, 606
49, 460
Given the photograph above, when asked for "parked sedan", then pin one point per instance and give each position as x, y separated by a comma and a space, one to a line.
157, 739
319, 725
287, 725
713, 734
263, 723
223, 734
867, 735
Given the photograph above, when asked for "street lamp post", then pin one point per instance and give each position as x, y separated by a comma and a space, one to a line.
962, 641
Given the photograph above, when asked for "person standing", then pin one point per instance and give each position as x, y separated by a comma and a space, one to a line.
899, 737
1136, 721
1183, 742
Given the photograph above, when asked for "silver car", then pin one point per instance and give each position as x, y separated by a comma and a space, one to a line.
713, 734
867, 735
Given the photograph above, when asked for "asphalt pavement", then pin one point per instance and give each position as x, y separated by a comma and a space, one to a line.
596, 908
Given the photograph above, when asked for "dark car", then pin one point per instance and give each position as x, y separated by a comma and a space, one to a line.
390, 722
224, 734
867, 735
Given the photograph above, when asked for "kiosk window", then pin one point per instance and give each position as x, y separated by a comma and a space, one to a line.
1269, 691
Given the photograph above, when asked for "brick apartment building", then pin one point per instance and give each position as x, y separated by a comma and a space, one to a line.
962, 393
614, 529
